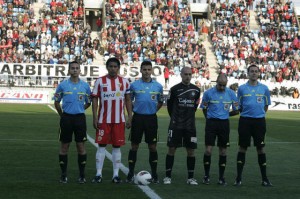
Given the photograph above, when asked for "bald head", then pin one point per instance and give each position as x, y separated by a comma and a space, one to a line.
221, 82
186, 75
222, 77
186, 70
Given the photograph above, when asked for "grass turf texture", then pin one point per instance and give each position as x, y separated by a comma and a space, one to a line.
29, 160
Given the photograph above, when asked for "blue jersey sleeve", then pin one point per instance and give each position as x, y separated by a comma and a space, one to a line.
88, 94
58, 95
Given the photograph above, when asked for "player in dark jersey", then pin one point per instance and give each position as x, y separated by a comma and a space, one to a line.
182, 104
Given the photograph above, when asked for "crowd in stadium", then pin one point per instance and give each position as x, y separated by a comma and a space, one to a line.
56, 37
169, 39
275, 46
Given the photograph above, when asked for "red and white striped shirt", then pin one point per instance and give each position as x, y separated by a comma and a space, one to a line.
111, 93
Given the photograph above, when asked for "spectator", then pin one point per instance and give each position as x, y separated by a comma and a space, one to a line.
166, 76
295, 94
99, 23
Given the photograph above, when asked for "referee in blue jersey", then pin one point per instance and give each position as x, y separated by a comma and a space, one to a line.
147, 96
216, 104
75, 96
254, 99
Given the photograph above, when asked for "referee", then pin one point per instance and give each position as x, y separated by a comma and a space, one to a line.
147, 96
254, 99
216, 103
75, 96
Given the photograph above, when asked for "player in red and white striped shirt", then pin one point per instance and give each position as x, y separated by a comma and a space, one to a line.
110, 94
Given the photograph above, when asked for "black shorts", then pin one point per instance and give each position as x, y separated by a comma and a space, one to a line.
182, 138
144, 124
252, 127
219, 129
70, 124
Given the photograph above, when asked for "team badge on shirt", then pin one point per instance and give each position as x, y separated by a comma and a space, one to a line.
80, 97
259, 100
226, 106
153, 97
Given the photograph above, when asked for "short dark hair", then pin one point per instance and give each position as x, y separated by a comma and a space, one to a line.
113, 59
73, 62
251, 66
146, 62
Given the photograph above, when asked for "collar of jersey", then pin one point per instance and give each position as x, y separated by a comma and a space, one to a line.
146, 82
109, 77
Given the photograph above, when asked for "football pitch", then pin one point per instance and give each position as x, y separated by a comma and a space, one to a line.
29, 166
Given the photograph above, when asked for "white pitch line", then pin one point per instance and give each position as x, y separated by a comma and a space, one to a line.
146, 189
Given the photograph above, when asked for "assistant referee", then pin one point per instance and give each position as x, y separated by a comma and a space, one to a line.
254, 99
75, 96
216, 106
147, 96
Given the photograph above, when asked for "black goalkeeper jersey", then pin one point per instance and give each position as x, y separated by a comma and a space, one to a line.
182, 104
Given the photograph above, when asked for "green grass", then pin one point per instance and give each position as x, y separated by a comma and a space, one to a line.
29, 163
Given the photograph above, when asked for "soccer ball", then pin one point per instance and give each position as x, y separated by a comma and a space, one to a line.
143, 178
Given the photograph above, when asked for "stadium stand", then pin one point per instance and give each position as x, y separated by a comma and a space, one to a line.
55, 35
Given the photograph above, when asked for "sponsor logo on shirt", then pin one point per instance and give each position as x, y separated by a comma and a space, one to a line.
116, 94
186, 101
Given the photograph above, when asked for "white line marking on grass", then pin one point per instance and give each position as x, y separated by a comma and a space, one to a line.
146, 189
51, 107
